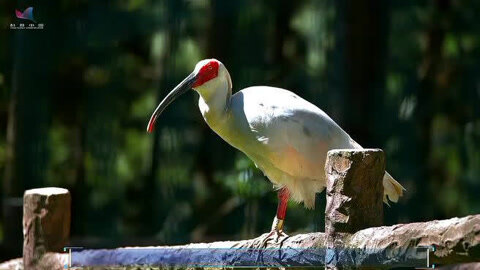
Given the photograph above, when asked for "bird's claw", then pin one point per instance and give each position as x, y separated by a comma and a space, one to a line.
277, 235
274, 238
280, 236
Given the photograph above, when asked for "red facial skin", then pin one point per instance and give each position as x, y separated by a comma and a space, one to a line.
206, 73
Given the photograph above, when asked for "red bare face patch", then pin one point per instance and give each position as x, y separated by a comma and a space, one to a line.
206, 73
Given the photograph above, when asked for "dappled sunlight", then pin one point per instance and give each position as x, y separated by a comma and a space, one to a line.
76, 97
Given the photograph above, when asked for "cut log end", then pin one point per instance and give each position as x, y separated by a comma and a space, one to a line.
46, 223
354, 189
354, 197
48, 191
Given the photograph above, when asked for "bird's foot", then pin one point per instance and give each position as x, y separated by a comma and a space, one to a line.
276, 236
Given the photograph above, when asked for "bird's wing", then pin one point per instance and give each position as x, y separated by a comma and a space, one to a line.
295, 133
294, 137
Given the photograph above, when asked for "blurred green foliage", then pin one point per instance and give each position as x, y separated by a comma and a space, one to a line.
75, 99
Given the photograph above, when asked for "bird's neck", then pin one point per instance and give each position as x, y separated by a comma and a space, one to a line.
214, 104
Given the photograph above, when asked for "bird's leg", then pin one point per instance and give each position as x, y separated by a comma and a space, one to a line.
283, 196
277, 227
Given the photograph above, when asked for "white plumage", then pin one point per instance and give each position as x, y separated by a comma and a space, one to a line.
286, 136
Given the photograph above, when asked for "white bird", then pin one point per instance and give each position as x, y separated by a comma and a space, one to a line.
286, 136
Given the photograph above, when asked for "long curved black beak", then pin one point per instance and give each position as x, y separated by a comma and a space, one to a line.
180, 89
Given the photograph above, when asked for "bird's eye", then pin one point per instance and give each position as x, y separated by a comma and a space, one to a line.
210, 67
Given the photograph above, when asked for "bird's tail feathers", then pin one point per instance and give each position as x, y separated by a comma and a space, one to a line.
392, 189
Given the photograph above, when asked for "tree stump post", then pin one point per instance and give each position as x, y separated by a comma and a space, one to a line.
46, 223
354, 198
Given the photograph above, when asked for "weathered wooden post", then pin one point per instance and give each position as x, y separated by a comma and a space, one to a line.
46, 223
354, 197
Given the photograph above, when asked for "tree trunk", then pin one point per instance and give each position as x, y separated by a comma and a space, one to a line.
404, 245
427, 104
357, 64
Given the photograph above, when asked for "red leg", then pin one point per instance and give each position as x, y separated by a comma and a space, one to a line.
277, 226
283, 196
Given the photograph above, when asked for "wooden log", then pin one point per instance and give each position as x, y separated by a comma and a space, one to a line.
457, 240
46, 223
354, 196
49, 261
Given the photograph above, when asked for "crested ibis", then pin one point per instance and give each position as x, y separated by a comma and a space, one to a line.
286, 136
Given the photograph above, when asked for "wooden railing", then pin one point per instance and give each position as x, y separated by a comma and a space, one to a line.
353, 237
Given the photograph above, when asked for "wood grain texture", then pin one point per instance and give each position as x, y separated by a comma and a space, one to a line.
457, 240
46, 223
354, 200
